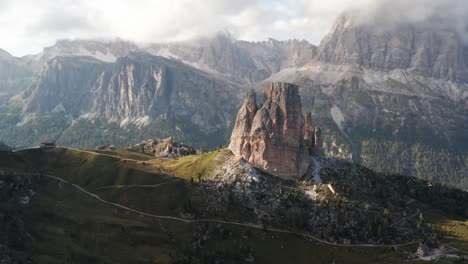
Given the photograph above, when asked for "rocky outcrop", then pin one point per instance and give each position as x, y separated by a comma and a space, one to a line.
275, 137
166, 148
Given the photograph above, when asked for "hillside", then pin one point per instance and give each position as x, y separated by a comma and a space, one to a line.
212, 207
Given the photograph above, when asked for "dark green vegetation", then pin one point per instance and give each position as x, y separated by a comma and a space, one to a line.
396, 189
4, 147
392, 133
63, 225
418, 160
71, 228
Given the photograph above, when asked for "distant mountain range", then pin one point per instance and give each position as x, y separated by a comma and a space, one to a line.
394, 100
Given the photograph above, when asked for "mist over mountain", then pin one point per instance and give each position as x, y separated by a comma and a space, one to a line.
386, 14
423, 47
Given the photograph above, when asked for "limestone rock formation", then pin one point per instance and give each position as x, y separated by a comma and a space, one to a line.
135, 90
240, 143
275, 137
166, 148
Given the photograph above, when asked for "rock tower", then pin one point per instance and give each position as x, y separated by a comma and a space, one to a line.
276, 138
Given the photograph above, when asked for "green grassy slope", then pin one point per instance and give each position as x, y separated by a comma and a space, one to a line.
69, 227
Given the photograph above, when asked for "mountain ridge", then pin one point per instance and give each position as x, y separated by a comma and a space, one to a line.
360, 104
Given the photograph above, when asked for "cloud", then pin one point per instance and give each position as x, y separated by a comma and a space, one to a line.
443, 14
403, 11
4, 4
58, 20
33, 24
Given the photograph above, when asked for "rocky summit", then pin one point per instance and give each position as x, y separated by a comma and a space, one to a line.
276, 138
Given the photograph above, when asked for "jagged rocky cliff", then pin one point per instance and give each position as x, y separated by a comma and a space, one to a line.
428, 48
135, 89
241, 61
276, 137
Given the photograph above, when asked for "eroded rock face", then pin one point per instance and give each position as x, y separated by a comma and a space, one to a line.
272, 138
240, 144
136, 89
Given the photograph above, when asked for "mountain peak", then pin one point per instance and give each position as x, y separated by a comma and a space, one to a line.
272, 137
431, 51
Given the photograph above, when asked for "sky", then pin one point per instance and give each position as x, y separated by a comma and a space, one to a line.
29, 25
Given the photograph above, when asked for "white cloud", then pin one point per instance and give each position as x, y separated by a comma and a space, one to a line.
29, 25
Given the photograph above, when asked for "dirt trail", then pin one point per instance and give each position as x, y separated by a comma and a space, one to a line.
188, 221
139, 186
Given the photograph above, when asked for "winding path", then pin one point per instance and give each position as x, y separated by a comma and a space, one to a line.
188, 221
139, 186
78, 150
